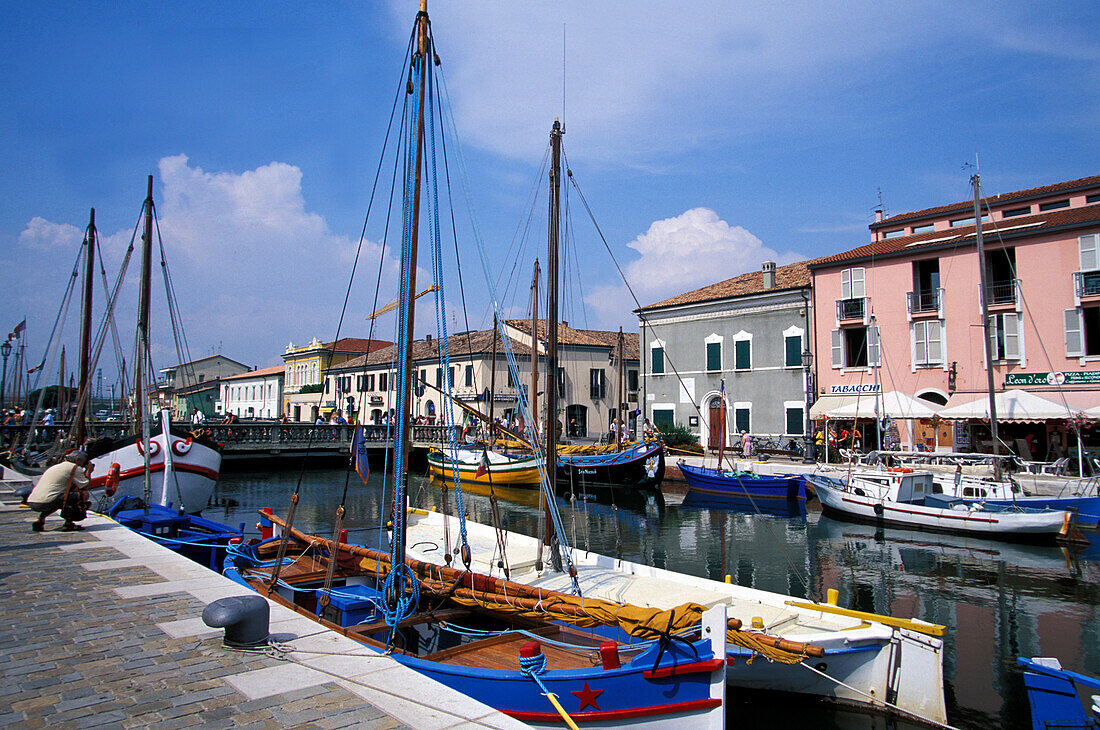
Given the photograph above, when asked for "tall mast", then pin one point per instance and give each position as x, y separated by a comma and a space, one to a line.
493, 384
619, 404
143, 309
534, 400
976, 182
552, 325
84, 389
408, 276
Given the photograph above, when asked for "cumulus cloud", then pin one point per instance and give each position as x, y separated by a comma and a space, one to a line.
678, 254
43, 235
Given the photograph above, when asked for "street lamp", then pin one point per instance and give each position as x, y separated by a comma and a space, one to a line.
5, 350
807, 436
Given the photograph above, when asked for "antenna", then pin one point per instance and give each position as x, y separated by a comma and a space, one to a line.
563, 74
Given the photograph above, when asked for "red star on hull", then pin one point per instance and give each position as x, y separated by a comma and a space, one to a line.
588, 696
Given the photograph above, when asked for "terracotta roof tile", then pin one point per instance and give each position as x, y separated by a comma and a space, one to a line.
261, 372
791, 276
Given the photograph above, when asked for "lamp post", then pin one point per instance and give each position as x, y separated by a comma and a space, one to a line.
5, 350
807, 437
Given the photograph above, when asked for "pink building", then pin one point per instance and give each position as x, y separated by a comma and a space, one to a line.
903, 313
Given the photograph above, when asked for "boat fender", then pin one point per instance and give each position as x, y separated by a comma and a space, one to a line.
112, 479
179, 448
879, 509
154, 447
244, 618
900, 470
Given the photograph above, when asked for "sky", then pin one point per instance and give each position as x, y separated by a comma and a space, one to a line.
705, 138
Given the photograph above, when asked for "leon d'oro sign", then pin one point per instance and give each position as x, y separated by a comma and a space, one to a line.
1076, 377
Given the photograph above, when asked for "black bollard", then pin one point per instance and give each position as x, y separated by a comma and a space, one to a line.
244, 618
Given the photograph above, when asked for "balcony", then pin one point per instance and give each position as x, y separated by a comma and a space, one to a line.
1003, 292
925, 301
848, 309
1087, 283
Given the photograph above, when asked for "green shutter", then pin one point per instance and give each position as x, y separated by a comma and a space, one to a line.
793, 351
742, 350
741, 420
714, 356
663, 418
658, 360
795, 425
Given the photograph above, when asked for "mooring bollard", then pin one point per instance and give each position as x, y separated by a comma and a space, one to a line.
244, 618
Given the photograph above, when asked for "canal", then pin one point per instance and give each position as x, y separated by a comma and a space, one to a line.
998, 600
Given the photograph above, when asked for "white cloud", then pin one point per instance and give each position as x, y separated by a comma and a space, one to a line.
43, 235
678, 254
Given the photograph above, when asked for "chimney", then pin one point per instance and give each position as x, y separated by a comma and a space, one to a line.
878, 216
769, 274
427, 338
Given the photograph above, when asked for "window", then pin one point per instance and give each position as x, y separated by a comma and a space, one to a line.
894, 234
968, 221
450, 377
1001, 268
924, 229
926, 286
664, 418
1087, 252
795, 423
714, 356
792, 351
855, 347
658, 355
360, 381
382, 381
1013, 212
742, 420
1054, 205
1004, 337
326, 385
742, 355
561, 382
439, 377
596, 383
511, 382
1094, 198
423, 376
1082, 330
469, 376
853, 284
928, 343
631, 379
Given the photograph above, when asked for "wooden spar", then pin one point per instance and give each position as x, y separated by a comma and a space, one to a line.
532, 427
552, 333
143, 310
975, 180
493, 384
619, 405
78, 424
519, 595
408, 275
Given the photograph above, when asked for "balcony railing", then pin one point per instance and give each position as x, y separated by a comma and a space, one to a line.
925, 300
1003, 292
851, 308
1087, 283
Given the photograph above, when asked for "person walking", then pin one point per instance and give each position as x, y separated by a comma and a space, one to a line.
746, 444
58, 483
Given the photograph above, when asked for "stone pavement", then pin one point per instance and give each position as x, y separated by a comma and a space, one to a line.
103, 629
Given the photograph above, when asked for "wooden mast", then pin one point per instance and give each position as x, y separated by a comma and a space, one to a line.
143, 310
493, 385
408, 275
619, 405
975, 180
532, 427
552, 330
78, 427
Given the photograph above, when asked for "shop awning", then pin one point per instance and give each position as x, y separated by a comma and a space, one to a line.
894, 404
1012, 405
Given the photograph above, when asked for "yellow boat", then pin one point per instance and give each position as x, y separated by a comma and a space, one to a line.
503, 470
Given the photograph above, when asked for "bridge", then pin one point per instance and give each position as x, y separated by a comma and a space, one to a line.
259, 439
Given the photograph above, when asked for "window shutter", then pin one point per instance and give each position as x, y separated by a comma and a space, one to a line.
838, 348
1012, 336
873, 347
920, 343
658, 360
934, 339
1087, 246
1072, 319
859, 288
994, 351
846, 284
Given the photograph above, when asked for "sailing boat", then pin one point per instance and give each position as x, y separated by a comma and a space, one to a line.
511, 647
165, 464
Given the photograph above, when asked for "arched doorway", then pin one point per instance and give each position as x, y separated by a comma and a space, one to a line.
576, 418
716, 417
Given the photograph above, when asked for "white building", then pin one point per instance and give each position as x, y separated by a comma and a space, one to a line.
255, 394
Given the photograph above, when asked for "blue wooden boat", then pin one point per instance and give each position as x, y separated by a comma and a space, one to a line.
743, 486
674, 682
1053, 695
202, 540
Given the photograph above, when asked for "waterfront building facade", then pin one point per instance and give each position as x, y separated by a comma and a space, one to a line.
748, 332
255, 394
904, 311
587, 378
305, 367
194, 384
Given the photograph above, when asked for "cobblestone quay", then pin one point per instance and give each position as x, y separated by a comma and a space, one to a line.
102, 629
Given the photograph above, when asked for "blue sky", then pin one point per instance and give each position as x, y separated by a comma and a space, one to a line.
706, 136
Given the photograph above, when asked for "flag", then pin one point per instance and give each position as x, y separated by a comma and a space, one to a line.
35, 369
18, 328
483, 466
359, 454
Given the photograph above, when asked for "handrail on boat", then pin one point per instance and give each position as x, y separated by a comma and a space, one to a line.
912, 624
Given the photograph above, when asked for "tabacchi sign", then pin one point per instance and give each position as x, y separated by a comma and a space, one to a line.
854, 389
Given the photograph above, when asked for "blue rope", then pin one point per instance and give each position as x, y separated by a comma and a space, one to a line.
401, 595
531, 667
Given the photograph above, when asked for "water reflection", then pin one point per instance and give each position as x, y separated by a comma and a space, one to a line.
998, 600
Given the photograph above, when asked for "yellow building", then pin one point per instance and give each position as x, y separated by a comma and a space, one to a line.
304, 390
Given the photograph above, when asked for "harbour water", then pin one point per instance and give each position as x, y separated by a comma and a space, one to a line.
998, 600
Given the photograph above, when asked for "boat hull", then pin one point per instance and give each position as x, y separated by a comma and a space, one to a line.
519, 472
197, 538
715, 484
195, 466
641, 468
840, 501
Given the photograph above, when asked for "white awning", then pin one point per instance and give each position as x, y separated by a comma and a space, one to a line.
894, 404
1012, 405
